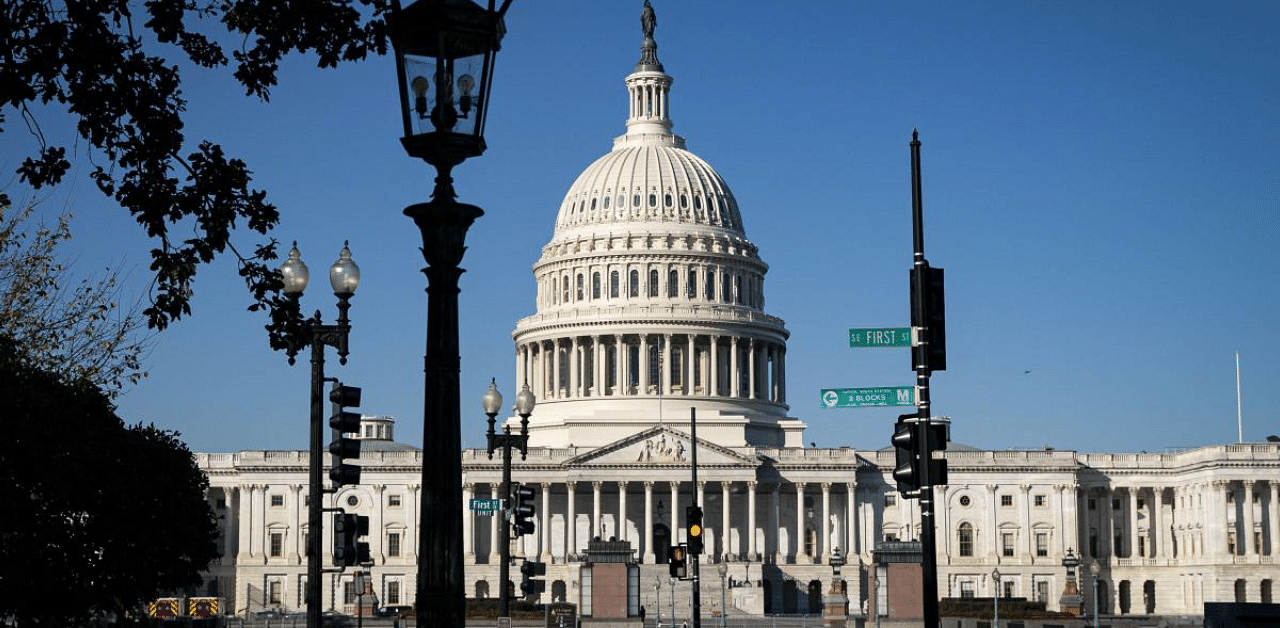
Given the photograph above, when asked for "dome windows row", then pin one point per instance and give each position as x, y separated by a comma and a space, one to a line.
711, 284
716, 209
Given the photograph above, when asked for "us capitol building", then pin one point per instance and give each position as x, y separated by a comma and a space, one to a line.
651, 301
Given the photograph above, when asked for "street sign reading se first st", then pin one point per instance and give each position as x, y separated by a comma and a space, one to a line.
880, 337
486, 507
868, 397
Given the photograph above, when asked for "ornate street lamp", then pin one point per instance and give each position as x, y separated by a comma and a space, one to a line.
444, 52
1096, 570
492, 402
1071, 600
836, 611
344, 277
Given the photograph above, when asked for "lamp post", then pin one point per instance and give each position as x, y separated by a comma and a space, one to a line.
995, 599
444, 51
1071, 601
836, 612
344, 277
673, 600
492, 401
657, 589
723, 569
1095, 569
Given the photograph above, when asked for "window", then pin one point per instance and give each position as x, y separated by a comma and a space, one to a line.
606, 202
595, 285
1142, 546
1115, 504
1142, 503
581, 287
368, 431
634, 287
1042, 544
349, 592
653, 283
966, 588
1093, 504
890, 499
673, 284
1006, 500
965, 538
277, 501
711, 285
393, 501
1042, 591
1231, 497
1007, 585
613, 284
565, 287
1006, 544
277, 544
1231, 543
653, 200
691, 289
393, 592
1039, 501
393, 544
352, 500
273, 595
964, 500
737, 289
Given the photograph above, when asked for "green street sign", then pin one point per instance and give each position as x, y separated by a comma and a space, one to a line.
868, 397
880, 337
486, 506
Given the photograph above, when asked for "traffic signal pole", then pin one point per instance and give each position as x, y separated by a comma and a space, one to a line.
693, 556
920, 357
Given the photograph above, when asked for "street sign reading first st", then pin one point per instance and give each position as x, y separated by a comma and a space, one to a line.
880, 337
868, 397
485, 507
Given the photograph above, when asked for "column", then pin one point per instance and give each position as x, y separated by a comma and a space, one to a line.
649, 556
619, 362
690, 367
556, 391
823, 534
735, 380
751, 520
1131, 535
596, 528
598, 366
946, 540
993, 536
714, 389
1246, 504
675, 522
851, 519
622, 511
1156, 529
1029, 542
1273, 518
468, 522
575, 368
666, 392
494, 521
644, 364
1106, 528
780, 367
570, 521
751, 370
1082, 531
412, 510
297, 521
801, 549
779, 557
545, 523
725, 545
1216, 520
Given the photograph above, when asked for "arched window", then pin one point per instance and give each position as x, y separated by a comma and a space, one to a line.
726, 295
673, 284
581, 287
737, 289
595, 285
653, 200
966, 539
633, 290
606, 202
711, 285
667, 200
613, 284
691, 290
653, 282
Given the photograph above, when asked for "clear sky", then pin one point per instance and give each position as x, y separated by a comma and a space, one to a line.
1100, 184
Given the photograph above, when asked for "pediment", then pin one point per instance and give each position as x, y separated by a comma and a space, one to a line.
660, 447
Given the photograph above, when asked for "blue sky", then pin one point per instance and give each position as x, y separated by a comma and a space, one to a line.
1100, 184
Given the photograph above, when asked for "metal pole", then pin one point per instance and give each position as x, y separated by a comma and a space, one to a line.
504, 536
314, 494
441, 591
723, 609
657, 588
1096, 611
928, 540
696, 603
673, 601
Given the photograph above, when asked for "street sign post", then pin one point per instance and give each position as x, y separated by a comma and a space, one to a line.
880, 337
868, 397
484, 507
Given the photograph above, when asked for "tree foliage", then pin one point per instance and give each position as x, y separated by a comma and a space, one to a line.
78, 329
99, 517
92, 58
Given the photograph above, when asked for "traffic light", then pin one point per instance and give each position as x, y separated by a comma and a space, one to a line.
678, 564
693, 521
931, 347
343, 423
529, 571
909, 452
348, 550
522, 510
906, 468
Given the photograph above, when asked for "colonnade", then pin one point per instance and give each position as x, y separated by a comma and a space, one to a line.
604, 365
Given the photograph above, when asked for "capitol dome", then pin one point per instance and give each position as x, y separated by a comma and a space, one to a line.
650, 298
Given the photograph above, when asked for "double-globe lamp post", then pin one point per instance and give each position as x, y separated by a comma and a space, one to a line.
995, 599
344, 277
1095, 570
492, 402
444, 51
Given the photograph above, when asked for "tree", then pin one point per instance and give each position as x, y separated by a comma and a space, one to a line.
99, 517
78, 329
90, 57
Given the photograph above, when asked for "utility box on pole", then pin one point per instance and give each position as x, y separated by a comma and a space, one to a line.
898, 564
608, 579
